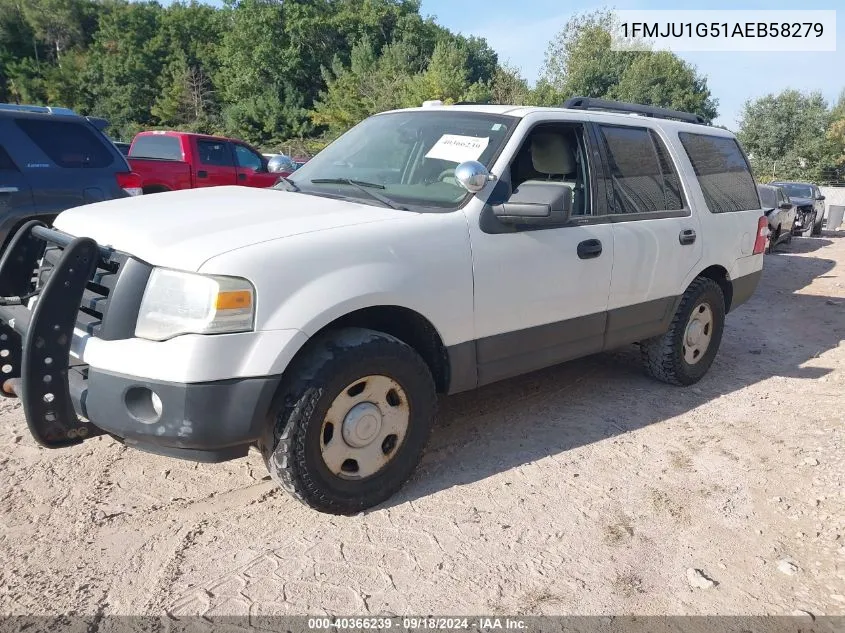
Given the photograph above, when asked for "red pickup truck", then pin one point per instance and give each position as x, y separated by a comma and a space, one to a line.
167, 161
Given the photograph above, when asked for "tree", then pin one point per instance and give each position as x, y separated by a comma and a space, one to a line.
579, 62
509, 87
786, 135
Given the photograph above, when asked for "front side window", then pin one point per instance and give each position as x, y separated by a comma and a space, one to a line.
245, 157
555, 153
409, 157
68, 144
767, 196
637, 182
722, 171
215, 153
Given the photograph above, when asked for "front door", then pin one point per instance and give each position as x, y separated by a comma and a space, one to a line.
656, 238
216, 164
541, 295
252, 168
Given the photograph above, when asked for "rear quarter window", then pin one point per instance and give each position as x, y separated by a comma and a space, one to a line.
68, 144
722, 171
155, 146
6, 162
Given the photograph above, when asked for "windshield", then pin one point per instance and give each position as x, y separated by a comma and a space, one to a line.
407, 157
798, 191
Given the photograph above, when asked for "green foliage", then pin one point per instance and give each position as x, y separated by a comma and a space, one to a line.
296, 73
792, 136
580, 62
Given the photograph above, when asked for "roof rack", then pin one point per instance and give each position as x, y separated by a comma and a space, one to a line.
589, 103
19, 107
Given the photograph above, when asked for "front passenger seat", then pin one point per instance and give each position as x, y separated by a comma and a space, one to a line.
552, 157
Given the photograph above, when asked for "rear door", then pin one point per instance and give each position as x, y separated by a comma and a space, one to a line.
216, 165
656, 239
15, 194
67, 162
252, 168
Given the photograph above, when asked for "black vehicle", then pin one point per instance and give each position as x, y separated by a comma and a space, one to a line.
809, 204
52, 159
123, 147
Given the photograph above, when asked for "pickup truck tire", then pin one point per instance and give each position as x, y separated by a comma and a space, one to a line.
685, 352
349, 388
817, 227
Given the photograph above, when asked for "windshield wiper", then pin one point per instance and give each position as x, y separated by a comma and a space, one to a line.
361, 185
290, 185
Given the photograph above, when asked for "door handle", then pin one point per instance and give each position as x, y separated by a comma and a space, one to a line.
202, 174
8, 189
588, 249
241, 176
686, 237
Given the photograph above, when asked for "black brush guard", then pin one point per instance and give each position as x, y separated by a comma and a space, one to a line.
35, 345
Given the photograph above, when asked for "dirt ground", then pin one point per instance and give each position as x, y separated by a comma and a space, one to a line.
583, 489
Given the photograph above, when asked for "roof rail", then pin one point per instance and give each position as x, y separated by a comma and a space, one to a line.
589, 103
19, 107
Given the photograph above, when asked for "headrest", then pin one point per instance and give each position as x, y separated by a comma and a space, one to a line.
552, 154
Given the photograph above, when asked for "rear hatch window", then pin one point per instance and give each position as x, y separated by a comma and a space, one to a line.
68, 144
155, 146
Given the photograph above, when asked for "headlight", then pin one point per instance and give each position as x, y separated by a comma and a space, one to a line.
177, 303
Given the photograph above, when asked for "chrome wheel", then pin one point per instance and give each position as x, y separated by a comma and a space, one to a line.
364, 427
698, 333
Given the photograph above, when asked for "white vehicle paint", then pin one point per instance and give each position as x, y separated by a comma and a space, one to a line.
477, 292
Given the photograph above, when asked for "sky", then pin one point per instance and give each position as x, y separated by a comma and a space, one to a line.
520, 30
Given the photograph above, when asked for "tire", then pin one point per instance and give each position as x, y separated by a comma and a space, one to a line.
817, 228
807, 232
303, 448
773, 241
665, 357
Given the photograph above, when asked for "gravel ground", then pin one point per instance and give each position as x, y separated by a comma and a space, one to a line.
583, 489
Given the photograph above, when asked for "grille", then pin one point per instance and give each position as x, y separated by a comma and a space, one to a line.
95, 299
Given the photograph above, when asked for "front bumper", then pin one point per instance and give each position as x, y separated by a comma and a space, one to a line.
66, 402
206, 422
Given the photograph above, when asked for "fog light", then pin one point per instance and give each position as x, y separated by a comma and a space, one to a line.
143, 404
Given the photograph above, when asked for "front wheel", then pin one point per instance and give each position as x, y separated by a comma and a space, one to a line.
351, 421
683, 355
817, 227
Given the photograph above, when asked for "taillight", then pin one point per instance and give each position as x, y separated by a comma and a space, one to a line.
762, 235
130, 182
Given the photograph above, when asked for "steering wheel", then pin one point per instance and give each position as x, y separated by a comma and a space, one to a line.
445, 174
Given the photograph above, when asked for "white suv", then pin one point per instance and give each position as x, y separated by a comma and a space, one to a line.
430, 250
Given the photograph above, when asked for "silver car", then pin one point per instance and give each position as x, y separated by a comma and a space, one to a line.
780, 212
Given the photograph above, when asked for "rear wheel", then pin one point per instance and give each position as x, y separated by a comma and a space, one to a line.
683, 355
351, 421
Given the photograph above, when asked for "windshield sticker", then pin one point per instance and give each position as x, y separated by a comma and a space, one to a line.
456, 148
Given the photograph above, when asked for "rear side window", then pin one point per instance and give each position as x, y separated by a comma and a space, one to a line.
723, 173
157, 146
6, 162
67, 144
638, 173
215, 153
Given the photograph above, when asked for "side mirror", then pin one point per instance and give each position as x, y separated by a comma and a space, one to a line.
537, 203
473, 176
785, 205
820, 198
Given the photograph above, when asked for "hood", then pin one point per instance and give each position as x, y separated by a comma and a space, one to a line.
183, 229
